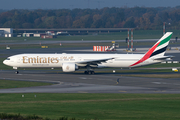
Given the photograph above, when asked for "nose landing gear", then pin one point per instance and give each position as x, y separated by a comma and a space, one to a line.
16, 68
17, 72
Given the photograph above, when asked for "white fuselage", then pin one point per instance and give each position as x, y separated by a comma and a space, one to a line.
56, 60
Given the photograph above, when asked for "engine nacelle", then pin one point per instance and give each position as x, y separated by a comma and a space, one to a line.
69, 67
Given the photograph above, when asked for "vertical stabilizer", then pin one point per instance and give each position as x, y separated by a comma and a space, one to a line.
157, 50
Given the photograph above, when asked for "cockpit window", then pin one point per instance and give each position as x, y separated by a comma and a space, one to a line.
8, 59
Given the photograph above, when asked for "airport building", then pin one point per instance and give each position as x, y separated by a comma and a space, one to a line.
6, 32
53, 33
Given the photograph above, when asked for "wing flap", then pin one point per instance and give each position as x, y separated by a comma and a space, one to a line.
93, 62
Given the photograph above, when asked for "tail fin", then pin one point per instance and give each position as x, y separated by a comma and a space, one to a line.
161, 45
157, 50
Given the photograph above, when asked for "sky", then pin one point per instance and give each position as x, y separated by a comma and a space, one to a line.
83, 4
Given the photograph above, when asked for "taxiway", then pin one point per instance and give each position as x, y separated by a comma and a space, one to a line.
98, 83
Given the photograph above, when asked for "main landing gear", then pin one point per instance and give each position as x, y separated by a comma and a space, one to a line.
89, 72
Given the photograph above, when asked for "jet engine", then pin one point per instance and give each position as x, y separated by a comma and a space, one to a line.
69, 67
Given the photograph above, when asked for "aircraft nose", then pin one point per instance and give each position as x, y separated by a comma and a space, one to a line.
4, 62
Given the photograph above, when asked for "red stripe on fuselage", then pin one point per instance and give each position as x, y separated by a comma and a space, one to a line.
146, 56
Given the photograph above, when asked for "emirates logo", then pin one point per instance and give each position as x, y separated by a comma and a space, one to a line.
67, 68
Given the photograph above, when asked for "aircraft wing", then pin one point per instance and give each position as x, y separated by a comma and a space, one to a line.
93, 62
164, 57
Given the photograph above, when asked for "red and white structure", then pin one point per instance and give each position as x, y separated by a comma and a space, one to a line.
100, 48
128, 39
164, 27
131, 38
128, 42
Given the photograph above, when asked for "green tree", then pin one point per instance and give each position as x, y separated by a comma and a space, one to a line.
129, 23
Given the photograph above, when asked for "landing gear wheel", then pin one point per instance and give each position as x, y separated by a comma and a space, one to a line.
92, 72
17, 72
89, 72
85, 72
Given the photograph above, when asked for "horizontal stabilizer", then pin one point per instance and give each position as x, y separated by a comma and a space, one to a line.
163, 57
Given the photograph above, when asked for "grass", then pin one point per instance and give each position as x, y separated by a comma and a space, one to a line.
144, 71
4, 84
94, 106
4, 67
64, 45
111, 36
138, 34
82, 44
162, 65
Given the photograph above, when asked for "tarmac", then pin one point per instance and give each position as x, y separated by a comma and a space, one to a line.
81, 83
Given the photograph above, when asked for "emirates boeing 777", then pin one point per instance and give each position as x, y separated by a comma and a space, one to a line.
73, 62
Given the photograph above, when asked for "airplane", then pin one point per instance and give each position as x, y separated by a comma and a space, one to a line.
73, 62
